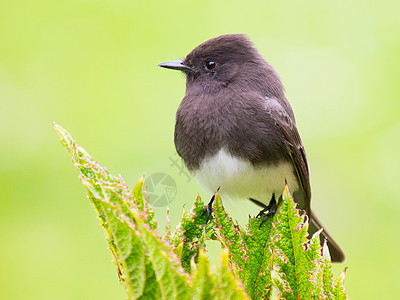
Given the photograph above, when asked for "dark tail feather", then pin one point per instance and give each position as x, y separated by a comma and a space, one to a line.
337, 254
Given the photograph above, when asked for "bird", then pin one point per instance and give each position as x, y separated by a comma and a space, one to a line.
235, 129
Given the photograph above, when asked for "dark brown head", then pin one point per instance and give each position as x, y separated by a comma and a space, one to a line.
227, 60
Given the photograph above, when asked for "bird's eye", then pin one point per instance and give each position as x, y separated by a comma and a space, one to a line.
210, 64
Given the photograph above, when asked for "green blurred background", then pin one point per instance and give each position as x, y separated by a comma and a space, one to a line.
90, 66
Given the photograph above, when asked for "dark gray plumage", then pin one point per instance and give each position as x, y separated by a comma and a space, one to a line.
235, 111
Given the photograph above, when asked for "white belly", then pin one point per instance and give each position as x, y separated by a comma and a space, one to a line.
238, 178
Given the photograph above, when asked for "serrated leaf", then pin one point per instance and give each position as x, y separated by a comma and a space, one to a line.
327, 275
257, 270
148, 268
289, 241
142, 203
229, 234
202, 281
277, 276
226, 285
191, 233
338, 290
314, 252
249, 252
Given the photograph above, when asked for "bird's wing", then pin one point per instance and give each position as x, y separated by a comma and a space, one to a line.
294, 145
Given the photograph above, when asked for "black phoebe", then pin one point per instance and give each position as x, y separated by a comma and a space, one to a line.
235, 128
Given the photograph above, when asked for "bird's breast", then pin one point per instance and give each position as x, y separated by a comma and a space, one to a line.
238, 178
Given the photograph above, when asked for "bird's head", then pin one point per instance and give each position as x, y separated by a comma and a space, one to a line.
227, 60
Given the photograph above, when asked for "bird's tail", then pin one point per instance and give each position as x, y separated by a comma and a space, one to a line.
337, 254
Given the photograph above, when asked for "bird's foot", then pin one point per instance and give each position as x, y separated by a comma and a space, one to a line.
269, 210
209, 209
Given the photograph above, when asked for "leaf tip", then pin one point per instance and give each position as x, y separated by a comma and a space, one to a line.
57, 127
139, 183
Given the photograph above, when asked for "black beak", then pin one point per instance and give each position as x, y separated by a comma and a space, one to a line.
175, 65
